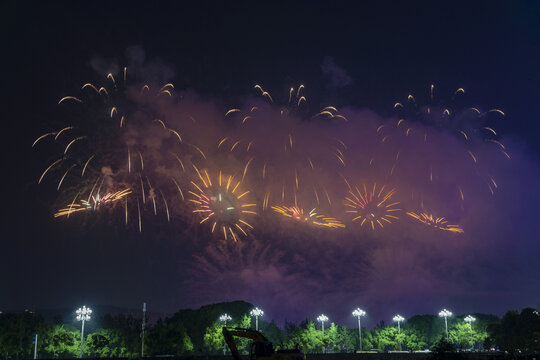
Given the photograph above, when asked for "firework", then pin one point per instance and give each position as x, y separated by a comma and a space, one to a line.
374, 206
222, 203
93, 203
110, 148
435, 222
309, 217
280, 150
463, 122
419, 122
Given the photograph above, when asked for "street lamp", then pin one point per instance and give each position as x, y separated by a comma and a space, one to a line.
224, 318
399, 319
322, 318
83, 314
256, 312
469, 319
359, 313
445, 314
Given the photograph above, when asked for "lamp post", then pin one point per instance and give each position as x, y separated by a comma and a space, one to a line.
83, 314
256, 312
143, 328
470, 319
445, 314
399, 319
359, 313
322, 318
224, 318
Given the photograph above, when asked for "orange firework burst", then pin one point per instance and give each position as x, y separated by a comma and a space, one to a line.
221, 203
437, 223
311, 217
94, 202
374, 207
103, 151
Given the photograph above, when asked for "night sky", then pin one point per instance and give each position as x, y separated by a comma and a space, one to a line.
360, 58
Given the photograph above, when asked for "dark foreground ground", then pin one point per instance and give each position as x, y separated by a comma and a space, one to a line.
368, 356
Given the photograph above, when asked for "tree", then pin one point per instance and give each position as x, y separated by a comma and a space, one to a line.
517, 331
386, 337
412, 341
443, 346
62, 341
427, 328
168, 337
97, 344
331, 337
273, 333
16, 331
305, 336
347, 338
460, 335
213, 338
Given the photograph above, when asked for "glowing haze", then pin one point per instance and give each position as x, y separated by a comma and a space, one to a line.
423, 199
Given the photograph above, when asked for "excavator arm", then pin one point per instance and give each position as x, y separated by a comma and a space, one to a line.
261, 348
229, 335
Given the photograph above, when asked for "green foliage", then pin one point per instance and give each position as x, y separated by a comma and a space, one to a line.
168, 337
443, 346
412, 340
62, 341
213, 337
461, 335
183, 334
98, 344
517, 331
273, 333
16, 332
427, 328
386, 338
123, 333
195, 322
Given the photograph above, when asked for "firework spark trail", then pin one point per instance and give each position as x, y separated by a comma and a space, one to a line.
280, 150
310, 217
373, 206
435, 222
413, 137
292, 156
95, 203
106, 123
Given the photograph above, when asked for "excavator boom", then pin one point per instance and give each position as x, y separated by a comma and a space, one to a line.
261, 348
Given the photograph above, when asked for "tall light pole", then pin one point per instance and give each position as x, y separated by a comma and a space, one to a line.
399, 319
470, 319
256, 312
224, 318
143, 328
83, 314
322, 318
359, 313
445, 314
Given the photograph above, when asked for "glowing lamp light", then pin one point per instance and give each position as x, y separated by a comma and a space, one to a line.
256, 312
445, 314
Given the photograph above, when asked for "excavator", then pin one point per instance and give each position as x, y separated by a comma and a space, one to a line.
260, 348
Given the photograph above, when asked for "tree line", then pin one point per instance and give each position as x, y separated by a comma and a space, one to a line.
193, 332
